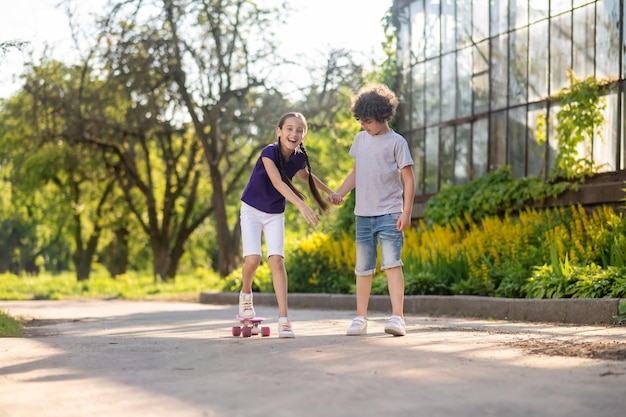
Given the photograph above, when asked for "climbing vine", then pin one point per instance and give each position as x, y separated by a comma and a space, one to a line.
580, 118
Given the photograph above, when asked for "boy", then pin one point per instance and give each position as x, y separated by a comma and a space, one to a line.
385, 186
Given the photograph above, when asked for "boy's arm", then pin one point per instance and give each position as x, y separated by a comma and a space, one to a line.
409, 194
348, 184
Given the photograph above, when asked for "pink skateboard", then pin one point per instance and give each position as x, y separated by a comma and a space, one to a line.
250, 327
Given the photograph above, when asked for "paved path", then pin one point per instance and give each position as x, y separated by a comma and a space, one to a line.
122, 359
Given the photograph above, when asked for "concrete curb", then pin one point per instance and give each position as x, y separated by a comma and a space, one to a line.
570, 310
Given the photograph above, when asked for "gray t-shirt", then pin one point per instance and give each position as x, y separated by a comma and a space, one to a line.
378, 161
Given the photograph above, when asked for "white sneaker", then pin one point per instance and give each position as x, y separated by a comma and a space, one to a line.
358, 327
395, 326
284, 328
246, 309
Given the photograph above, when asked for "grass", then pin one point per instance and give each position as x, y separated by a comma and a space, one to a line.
9, 327
131, 286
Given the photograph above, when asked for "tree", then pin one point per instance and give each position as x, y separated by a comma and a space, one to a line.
209, 75
39, 144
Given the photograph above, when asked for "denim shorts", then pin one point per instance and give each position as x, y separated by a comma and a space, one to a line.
369, 232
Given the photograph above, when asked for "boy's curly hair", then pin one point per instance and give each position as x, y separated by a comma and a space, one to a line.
376, 102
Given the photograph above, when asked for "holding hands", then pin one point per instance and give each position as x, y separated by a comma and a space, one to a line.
335, 199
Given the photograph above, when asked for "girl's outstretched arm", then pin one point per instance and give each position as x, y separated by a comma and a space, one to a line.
272, 171
303, 174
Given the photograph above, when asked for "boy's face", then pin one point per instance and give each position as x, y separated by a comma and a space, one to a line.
374, 127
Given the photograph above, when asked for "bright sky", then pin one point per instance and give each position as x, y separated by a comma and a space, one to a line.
316, 26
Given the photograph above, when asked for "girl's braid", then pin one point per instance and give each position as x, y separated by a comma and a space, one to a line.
312, 186
283, 175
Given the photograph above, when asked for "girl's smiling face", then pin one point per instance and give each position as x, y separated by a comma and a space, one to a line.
291, 134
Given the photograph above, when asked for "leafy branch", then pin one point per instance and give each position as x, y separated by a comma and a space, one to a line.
579, 119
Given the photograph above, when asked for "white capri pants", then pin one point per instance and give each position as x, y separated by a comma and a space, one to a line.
255, 222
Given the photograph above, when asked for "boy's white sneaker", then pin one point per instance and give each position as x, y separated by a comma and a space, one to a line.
284, 328
358, 327
395, 326
246, 309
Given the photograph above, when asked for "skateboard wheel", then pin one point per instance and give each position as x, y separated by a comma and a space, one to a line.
265, 331
236, 331
246, 331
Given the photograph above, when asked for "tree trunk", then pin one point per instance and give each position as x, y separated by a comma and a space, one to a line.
225, 258
118, 252
162, 260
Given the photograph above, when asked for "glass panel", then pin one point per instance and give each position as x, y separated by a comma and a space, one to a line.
404, 41
431, 180
464, 68
480, 17
584, 43
404, 114
432, 92
433, 29
518, 66
538, 61
480, 134
537, 10
559, 6
499, 17
446, 159
622, 157
418, 96
605, 147
499, 71
461, 154
518, 13
448, 23
607, 39
516, 141
560, 51
480, 77
448, 93
480, 87
553, 145
463, 23
536, 151
577, 3
497, 140
418, 38
418, 160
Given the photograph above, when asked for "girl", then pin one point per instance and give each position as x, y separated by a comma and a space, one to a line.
263, 206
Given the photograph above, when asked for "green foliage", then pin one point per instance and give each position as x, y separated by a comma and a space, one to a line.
621, 317
322, 264
495, 193
387, 72
579, 119
128, 286
9, 327
574, 281
262, 280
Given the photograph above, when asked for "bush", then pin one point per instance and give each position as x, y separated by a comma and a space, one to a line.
322, 264
495, 193
502, 256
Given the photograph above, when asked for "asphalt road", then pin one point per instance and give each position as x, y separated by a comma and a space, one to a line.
122, 358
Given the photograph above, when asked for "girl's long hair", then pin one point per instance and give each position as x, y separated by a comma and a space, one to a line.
281, 165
